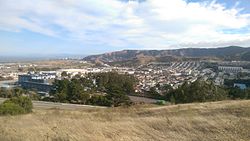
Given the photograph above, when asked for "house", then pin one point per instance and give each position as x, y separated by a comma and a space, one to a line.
241, 86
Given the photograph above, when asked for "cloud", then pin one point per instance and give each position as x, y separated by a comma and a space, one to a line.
146, 24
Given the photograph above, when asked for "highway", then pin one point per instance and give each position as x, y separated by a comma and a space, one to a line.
49, 105
7, 83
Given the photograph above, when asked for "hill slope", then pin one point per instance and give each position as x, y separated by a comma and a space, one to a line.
217, 121
226, 53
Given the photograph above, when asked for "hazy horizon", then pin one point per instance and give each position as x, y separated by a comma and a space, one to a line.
47, 56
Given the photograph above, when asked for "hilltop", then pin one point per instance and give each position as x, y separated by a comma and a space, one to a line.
145, 56
221, 121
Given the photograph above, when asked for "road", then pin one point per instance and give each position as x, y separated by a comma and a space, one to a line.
7, 83
49, 105
137, 99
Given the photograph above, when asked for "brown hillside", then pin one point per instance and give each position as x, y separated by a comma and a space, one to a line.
218, 121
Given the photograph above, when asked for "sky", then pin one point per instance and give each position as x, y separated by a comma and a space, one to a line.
87, 27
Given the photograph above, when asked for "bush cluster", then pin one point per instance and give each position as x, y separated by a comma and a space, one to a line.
199, 91
82, 90
16, 105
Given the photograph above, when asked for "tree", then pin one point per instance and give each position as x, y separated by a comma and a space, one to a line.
15, 92
61, 97
33, 95
153, 93
79, 89
124, 81
117, 97
64, 74
172, 99
18, 91
3, 93
99, 100
60, 90
248, 93
199, 91
237, 93
84, 97
167, 88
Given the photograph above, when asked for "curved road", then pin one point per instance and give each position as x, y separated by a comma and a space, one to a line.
49, 105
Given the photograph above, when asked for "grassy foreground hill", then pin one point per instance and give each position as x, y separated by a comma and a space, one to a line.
216, 121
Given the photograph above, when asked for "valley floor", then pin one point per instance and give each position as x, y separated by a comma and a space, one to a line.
216, 121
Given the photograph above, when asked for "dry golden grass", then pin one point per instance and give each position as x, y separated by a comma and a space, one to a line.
218, 121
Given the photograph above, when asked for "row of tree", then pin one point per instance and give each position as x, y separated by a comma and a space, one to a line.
16, 92
117, 86
202, 91
199, 91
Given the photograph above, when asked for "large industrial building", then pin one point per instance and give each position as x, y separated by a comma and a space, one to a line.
38, 81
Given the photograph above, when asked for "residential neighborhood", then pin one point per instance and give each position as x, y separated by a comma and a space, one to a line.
155, 74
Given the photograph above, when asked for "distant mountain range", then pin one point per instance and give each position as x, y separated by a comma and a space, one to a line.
144, 56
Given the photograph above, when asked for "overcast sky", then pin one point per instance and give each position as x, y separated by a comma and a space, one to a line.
97, 26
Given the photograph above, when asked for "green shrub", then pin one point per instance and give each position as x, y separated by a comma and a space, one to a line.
99, 100
10, 108
23, 102
160, 102
16, 105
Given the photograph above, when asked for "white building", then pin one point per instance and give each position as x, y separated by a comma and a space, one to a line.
230, 69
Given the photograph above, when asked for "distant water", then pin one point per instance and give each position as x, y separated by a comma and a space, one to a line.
8, 59
19, 59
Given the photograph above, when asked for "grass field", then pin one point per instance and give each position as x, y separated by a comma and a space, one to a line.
218, 121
